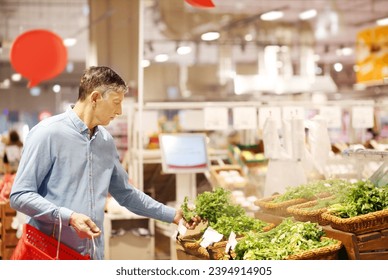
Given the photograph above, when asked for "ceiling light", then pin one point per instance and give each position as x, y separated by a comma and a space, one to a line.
35, 91
248, 37
308, 14
338, 67
273, 15
56, 88
327, 24
5, 84
344, 51
182, 50
69, 42
210, 36
16, 77
145, 63
161, 57
383, 21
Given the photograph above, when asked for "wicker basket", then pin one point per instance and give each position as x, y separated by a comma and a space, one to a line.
360, 224
191, 245
217, 249
325, 253
329, 252
279, 209
301, 212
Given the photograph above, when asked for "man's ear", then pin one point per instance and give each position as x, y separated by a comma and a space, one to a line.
95, 96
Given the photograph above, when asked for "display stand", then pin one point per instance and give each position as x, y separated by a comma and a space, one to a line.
186, 186
368, 246
184, 155
129, 245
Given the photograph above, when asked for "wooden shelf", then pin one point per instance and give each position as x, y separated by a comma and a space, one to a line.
8, 239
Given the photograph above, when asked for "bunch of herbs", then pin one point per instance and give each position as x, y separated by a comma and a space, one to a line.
360, 198
288, 238
239, 225
312, 190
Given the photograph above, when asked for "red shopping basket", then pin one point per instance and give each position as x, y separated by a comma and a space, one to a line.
35, 245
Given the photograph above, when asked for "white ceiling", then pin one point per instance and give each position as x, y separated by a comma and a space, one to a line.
70, 19
235, 17
67, 18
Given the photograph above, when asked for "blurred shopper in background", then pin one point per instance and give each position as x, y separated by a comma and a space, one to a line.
12, 152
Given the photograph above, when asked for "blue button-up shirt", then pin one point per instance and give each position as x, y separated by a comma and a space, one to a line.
63, 169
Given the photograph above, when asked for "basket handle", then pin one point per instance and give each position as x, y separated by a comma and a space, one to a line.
94, 248
59, 235
59, 239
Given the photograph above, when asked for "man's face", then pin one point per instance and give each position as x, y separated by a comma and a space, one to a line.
108, 107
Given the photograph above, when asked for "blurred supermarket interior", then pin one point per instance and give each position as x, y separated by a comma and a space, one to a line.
295, 60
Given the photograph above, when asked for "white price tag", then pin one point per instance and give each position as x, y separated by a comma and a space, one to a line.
210, 236
216, 118
293, 112
232, 242
181, 228
362, 117
273, 112
175, 234
191, 120
244, 118
332, 115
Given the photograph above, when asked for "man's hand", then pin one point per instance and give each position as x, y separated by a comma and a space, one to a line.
189, 224
84, 226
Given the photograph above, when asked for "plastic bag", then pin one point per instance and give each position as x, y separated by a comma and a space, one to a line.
272, 146
319, 142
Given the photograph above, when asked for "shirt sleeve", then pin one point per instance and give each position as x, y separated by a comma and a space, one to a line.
26, 195
135, 200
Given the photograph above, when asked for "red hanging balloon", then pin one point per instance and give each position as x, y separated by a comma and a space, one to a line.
38, 55
201, 3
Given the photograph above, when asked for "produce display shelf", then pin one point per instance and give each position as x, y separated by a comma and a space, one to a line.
367, 246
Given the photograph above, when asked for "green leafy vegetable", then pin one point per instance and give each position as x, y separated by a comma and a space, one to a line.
312, 190
360, 198
212, 205
239, 225
288, 238
188, 212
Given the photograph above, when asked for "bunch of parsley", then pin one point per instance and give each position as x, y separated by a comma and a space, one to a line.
288, 238
312, 189
359, 199
211, 205
239, 225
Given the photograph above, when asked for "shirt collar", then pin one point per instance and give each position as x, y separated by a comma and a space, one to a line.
78, 123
